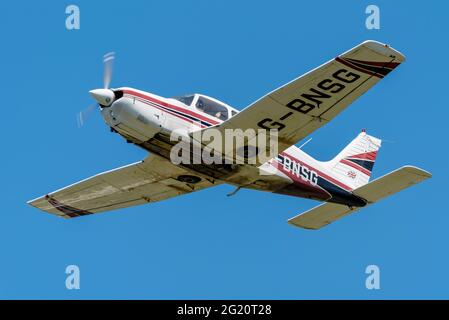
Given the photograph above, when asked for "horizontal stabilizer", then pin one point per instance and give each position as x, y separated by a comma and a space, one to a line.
372, 192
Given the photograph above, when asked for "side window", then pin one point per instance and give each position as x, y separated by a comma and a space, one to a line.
233, 113
187, 100
212, 108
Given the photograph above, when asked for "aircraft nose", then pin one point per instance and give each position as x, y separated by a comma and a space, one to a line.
104, 97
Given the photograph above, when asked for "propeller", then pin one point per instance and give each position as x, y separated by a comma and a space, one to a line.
108, 61
82, 116
105, 96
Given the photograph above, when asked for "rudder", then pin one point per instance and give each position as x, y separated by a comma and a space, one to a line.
355, 162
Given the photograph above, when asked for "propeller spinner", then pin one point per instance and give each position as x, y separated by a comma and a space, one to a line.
104, 97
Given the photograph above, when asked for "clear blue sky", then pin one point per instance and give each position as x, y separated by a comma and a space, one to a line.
206, 245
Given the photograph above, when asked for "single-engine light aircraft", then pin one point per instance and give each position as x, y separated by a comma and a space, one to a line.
296, 109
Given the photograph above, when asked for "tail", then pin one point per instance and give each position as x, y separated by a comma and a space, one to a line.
353, 165
380, 188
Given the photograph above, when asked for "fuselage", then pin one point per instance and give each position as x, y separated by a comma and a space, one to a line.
148, 120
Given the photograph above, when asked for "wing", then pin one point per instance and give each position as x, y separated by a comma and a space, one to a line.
150, 180
372, 192
312, 100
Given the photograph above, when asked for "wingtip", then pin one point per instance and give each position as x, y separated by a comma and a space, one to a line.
418, 171
290, 222
30, 202
33, 202
384, 49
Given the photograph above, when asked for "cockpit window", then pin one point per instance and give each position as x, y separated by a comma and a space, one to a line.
187, 100
213, 108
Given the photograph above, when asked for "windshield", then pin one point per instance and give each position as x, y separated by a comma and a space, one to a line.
187, 100
213, 108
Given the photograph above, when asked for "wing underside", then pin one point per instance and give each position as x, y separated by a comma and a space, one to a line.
150, 180
310, 101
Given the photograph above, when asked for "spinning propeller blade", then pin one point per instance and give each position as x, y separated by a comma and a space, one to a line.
104, 96
82, 116
108, 61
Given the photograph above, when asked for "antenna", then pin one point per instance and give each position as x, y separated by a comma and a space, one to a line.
305, 143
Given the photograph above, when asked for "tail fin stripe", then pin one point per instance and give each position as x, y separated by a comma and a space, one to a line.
365, 156
353, 164
367, 164
356, 166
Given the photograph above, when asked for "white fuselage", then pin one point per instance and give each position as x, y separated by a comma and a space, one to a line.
143, 118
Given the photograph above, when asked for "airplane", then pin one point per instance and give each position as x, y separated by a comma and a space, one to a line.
295, 110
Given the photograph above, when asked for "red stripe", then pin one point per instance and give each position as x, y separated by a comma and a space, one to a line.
176, 115
357, 68
167, 105
181, 117
323, 175
390, 65
356, 166
365, 156
296, 179
67, 210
